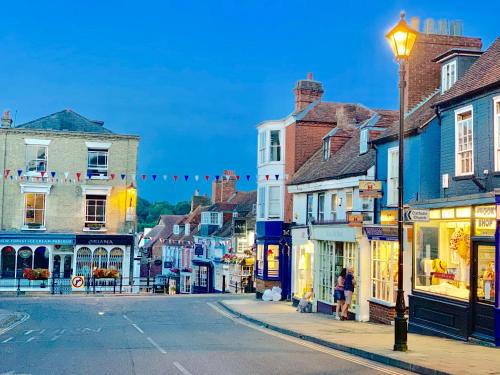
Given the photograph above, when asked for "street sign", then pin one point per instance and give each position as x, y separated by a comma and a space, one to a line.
416, 215
78, 282
370, 189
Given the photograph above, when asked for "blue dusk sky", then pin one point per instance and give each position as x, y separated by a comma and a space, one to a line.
194, 78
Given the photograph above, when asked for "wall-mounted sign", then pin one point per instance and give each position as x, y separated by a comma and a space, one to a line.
96, 239
485, 220
389, 217
198, 250
370, 189
355, 220
381, 233
416, 215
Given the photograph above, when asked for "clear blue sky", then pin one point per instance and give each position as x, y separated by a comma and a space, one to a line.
193, 78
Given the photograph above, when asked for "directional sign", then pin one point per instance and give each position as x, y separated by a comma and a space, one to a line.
416, 215
78, 281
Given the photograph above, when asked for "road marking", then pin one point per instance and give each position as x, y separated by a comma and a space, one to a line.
160, 349
91, 330
127, 318
62, 331
55, 337
7, 340
42, 331
317, 347
28, 332
23, 319
31, 339
181, 368
137, 328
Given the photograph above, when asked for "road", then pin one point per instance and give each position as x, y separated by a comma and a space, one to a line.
156, 335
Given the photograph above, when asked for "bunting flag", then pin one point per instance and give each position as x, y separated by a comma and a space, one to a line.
164, 177
89, 175
207, 178
6, 173
123, 175
133, 176
66, 175
43, 173
248, 177
154, 177
175, 178
196, 178
217, 178
112, 176
267, 177
78, 174
277, 176
237, 177
186, 177
19, 172
53, 174
143, 177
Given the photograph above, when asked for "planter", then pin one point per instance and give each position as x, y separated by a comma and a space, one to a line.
105, 273
36, 274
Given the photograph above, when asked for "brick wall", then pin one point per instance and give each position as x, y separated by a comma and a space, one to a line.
423, 75
381, 314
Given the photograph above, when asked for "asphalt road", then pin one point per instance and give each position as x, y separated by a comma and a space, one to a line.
156, 335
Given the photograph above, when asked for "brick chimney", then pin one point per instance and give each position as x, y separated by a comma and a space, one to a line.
6, 120
224, 188
423, 76
307, 91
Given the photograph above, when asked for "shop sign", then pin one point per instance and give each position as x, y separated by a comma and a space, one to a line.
382, 233
485, 220
355, 220
111, 240
370, 189
36, 241
25, 253
416, 215
389, 217
64, 248
198, 250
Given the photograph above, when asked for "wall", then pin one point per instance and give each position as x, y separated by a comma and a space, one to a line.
482, 112
65, 205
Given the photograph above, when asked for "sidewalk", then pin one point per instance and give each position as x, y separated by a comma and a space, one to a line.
427, 354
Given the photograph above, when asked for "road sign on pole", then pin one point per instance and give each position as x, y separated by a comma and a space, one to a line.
417, 215
78, 282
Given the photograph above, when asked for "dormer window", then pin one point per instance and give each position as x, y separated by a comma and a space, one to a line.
448, 75
326, 148
211, 218
363, 141
177, 229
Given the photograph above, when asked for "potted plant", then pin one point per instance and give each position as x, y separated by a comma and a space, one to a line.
174, 270
37, 274
103, 273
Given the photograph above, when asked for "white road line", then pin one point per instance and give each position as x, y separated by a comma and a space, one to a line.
62, 331
137, 328
7, 340
42, 331
23, 319
317, 347
55, 337
126, 318
28, 332
31, 338
160, 349
181, 368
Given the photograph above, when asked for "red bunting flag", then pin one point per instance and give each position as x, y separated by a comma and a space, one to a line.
267, 177
113, 176
6, 174
78, 174
237, 177
42, 173
143, 177
175, 178
207, 178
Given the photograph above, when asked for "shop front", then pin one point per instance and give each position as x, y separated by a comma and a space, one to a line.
303, 263
454, 273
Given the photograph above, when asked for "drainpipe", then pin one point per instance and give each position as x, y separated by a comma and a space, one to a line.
3, 179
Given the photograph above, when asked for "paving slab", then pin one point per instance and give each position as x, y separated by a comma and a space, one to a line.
426, 354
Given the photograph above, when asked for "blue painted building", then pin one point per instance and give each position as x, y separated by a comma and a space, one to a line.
455, 257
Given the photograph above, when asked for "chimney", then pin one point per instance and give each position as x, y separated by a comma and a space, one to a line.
6, 120
198, 200
224, 188
307, 91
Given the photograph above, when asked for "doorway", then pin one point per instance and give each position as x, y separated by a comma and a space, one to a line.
483, 290
68, 260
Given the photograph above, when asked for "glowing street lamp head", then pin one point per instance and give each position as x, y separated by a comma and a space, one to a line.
401, 38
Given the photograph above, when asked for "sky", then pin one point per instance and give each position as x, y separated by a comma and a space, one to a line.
194, 78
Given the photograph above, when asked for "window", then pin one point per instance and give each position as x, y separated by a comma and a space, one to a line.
309, 208
273, 264
363, 141
210, 218
116, 259
334, 206
325, 267
34, 210
274, 202
36, 158
464, 164
201, 274
95, 213
275, 148
260, 260
384, 275
326, 148
392, 176
100, 258
176, 229
83, 261
321, 207
496, 127
262, 147
448, 75
97, 162
262, 202
348, 200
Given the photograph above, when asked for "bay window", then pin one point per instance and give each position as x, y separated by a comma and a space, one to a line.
275, 147
36, 158
392, 176
34, 210
274, 202
95, 212
273, 265
262, 146
260, 260
464, 148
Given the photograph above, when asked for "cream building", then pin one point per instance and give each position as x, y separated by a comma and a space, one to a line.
67, 198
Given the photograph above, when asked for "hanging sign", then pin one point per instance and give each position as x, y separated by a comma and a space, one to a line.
485, 220
355, 220
370, 189
389, 217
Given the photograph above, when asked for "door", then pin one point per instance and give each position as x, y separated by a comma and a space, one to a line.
56, 266
68, 259
483, 290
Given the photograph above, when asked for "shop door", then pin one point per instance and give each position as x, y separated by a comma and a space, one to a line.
68, 260
483, 290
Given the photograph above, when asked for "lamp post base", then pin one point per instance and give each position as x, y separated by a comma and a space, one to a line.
401, 334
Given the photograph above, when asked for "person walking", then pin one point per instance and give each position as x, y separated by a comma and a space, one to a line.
339, 296
349, 285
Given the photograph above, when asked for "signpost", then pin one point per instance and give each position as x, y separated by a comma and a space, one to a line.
416, 215
78, 282
370, 189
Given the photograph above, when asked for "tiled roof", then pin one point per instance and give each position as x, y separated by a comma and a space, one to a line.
66, 121
346, 162
483, 73
334, 113
163, 229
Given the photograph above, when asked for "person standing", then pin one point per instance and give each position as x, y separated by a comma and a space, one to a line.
349, 285
339, 296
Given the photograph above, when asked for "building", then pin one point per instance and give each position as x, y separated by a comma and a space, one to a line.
67, 197
329, 210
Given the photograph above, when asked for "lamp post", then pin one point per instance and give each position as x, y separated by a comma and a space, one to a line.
401, 38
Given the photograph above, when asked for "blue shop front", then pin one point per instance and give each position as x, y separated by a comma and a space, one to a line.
273, 264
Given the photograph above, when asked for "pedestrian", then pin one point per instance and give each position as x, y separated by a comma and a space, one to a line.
349, 285
339, 296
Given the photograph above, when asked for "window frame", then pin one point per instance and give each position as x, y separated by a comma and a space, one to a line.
271, 146
496, 130
26, 161
326, 148
309, 207
44, 209
392, 181
446, 81
97, 171
262, 146
273, 215
363, 141
320, 214
458, 112
334, 206
92, 197
261, 208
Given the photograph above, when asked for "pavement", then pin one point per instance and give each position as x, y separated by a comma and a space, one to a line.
426, 354
181, 335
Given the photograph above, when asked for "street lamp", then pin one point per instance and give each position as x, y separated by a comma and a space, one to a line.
401, 38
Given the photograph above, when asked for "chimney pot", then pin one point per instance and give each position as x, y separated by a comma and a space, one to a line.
309, 76
429, 27
456, 28
415, 23
6, 120
442, 27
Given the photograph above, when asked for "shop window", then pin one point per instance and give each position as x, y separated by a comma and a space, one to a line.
100, 258
486, 273
321, 207
83, 261
464, 148
34, 210
273, 264
274, 147
41, 259
325, 271
8, 262
304, 270
201, 274
260, 260
442, 263
345, 257
116, 259
97, 163
384, 275
36, 158
185, 284
24, 260
392, 176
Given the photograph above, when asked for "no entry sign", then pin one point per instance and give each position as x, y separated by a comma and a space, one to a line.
78, 281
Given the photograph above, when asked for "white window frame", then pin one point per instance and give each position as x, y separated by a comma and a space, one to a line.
392, 181
382, 288
446, 79
276, 202
101, 170
176, 229
262, 202
28, 160
87, 221
326, 148
320, 214
309, 207
363, 141
334, 206
496, 130
211, 218
262, 146
349, 207
326, 272
458, 168
278, 146
36, 193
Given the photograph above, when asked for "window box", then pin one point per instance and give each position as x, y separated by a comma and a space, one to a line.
95, 227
